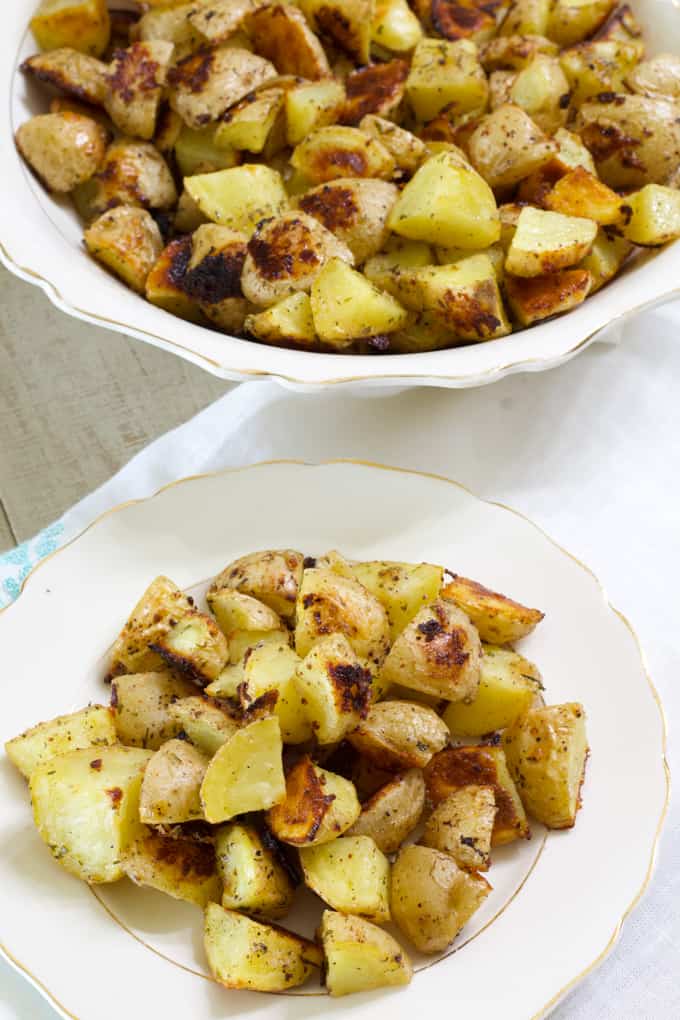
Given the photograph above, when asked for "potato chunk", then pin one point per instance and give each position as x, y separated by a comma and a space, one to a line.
83, 25
658, 76
218, 20
540, 297
399, 735
580, 193
346, 22
461, 825
542, 90
318, 806
350, 874
271, 669
608, 254
133, 173
86, 808
76, 74
527, 17
546, 750
161, 603
377, 88
507, 146
206, 83
498, 619
182, 868
288, 322
235, 610
195, 647
570, 21
438, 652
245, 954
354, 210
432, 898
238, 197
141, 707
164, 282
407, 149
446, 203
395, 26
172, 783
282, 35
347, 307
253, 878
446, 74
334, 689
128, 242
246, 774
64, 149
213, 275
652, 215
339, 151
545, 242
272, 576
312, 105
480, 765
207, 723
385, 271
392, 812
330, 604
508, 684
402, 588
135, 84
198, 152
360, 956
90, 727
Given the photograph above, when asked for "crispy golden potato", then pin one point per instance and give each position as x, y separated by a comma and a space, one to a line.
570, 21
128, 242
540, 297
461, 825
172, 784
213, 275
318, 806
164, 282
508, 684
86, 808
83, 25
132, 173
160, 605
432, 898
402, 588
392, 812
376, 89
464, 20
219, 20
446, 74
438, 652
480, 765
75, 74
339, 151
195, 647
312, 105
64, 149
245, 954
334, 688
135, 85
395, 26
360, 956
205, 84
546, 750
354, 210
622, 25
272, 576
207, 723
658, 76
347, 307
90, 727
545, 242
507, 146
346, 22
351, 875
287, 323
580, 193
182, 868
498, 619
406, 148
246, 774
513, 52
253, 878
282, 35
141, 706
652, 215
397, 735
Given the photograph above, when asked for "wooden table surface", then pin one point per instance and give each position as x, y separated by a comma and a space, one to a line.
76, 402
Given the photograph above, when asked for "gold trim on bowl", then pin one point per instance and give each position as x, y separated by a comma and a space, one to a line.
21, 967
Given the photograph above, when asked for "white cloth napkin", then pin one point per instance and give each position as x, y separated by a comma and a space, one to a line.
590, 452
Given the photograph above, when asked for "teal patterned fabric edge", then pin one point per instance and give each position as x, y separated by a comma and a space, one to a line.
17, 564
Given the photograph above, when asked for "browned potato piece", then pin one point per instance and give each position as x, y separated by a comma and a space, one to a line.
438, 652
272, 576
128, 242
400, 735
182, 868
164, 284
580, 193
346, 22
133, 173
432, 898
464, 20
81, 24
318, 807
161, 603
74, 73
546, 750
334, 689
135, 83
285, 254
392, 812
378, 89
207, 723
480, 765
498, 619
213, 275
171, 786
172, 25
194, 646
659, 76
218, 20
141, 704
354, 210
282, 35
64, 149
461, 825
339, 151
512, 52
623, 26
507, 146
206, 83
407, 149
360, 956
540, 297
573, 20
545, 242
253, 877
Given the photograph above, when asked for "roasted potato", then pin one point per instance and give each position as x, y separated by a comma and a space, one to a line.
446, 74
513, 52
132, 173
542, 90
438, 652
90, 727
354, 210
312, 105
605, 258
135, 84
346, 22
384, 271
570, 21
197, 151
480, 765
318, 806
206, 83
256, 124
273, 668
282, 35
161, 603
597, 69
141, 706
532, 299
392, 812
580, 193
395, 26
194, 646
73, 73
243, 953
360, 956
545, 242
351, 875
432, 898
402, 588
172, 783
86, 808
498, 619
461, 825
83, 25
652, 215
347, 307
527, 17
246, 774
171, 24
182, 868
398, 735
238, 197
334, 689
64, 149
272, 576
508, 684
288, 322
253, 878
235, 610
375, 89
406, 148
164, 282
219, 20
507, 146
128, 242
339, 151
546, 750
658, 76
207, 723
213, 275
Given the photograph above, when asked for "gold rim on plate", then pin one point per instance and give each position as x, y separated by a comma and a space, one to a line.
23, 969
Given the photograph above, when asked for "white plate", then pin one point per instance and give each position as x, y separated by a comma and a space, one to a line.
41, 241
558, 902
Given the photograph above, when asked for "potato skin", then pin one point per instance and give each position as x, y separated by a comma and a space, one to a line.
461, 826
206, 83
507, 146
73, 73
272, 576
318, 807
354, 210
64, 149
392, 812
132, 173
141, 706
128, 242
162, 602
182, 868
171, 787
135, 84
360, 956
399, 735
282, 35
498, 619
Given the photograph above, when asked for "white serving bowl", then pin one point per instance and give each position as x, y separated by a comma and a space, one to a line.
41, 241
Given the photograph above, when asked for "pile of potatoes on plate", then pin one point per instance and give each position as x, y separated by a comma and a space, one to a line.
359, 175
364, 728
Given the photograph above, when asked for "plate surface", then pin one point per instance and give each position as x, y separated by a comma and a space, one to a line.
556, 908
41, 241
